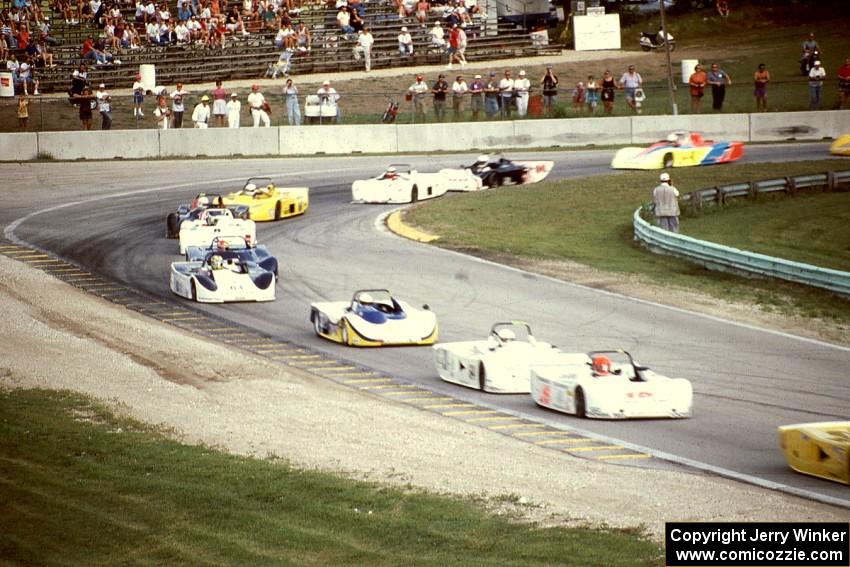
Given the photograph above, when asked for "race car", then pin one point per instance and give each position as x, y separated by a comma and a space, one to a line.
609, 385
213, 222
841, 146
242, 246
498, 170
374, 318
265, 202
679, 149
498, 364
190, 211
818, 449
401, 183
222, 277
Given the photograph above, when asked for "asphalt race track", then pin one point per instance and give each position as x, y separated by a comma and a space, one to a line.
110, 218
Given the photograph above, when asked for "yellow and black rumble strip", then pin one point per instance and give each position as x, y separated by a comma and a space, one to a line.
183, 315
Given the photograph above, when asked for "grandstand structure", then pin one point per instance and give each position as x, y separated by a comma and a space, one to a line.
251, 56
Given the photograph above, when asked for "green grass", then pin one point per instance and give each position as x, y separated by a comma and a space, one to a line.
589, 220
80, 486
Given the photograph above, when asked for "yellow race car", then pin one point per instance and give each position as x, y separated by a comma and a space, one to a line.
818, 449
265, 202
841, 146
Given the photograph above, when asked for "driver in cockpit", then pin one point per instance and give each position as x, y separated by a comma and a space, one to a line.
390, 173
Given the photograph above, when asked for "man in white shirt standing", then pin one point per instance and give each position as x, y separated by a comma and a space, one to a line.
364, 47
665, 197
459, 90
257, 104
234, 111
328, 95
816, 76
104, 106
506, 94
201, 114
522, 86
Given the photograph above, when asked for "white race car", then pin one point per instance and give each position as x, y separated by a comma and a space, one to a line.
609, 385
222, 276
403, 184
211, 223
495, 171
498, 364
374, 317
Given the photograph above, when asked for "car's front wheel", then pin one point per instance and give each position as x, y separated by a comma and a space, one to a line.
581, 403
414, 194
668, 161
278, 210
194, 291
346, 339
482, 376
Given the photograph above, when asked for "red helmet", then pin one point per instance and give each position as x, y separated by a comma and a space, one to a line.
601, 365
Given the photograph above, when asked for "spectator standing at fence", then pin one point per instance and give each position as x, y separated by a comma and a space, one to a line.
665, 197
290, 96
364, 47
506, 94
631, 81
549, 82
760, 79
844, 83
405, 43
476, 97
104, 106
23, 112
439, 91
138, 96
608, 88
219, 106
522, 90
696, 85
86, 100
328, 95
162, 113
817, 74
491, 96
418, 91
578, 97
258, 105
178, 106
718, 79
459, 91
591, 94
234, 111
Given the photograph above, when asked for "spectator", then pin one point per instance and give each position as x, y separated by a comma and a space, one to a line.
578, 97
364, 47
549, 82
234, 111
459, 90
343, 20
476, 92
259, 107
437, 36
722, 7
422, 9
417, 92
718, 79
522, 90
86, 100
608, 86
760, 78
454, 49
79, 79
104, 106
303, 39
234, 22
328, 95
25, 75
439, 91
178, 105
844, 83
13, 66
293, 111
405, 8
665, 197
591, 95
138, 96
201, 113
810, 45
631, 81
23, 112
4, 48
696, 85
405, 43
162, 113
269, 17
506, 94
460, 54
816, 76
491, 96
219, 106
181, 30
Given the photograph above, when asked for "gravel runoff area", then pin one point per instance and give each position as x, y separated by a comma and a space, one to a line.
58, 337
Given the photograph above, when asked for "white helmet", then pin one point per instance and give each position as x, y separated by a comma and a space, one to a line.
391, 169
672, 137
250, 188
483, 158
365, 298
506, 335
664, 177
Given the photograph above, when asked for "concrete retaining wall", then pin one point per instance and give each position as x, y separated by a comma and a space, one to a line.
383, 138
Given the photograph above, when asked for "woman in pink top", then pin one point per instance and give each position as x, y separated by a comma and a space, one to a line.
219, 108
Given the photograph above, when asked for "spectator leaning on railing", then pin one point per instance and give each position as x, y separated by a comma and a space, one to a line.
844, 83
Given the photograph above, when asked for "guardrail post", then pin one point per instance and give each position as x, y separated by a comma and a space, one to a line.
830, 181
753, 191
791, 186
695, 202
719, 196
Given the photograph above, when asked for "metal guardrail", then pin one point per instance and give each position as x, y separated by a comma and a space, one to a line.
725, 258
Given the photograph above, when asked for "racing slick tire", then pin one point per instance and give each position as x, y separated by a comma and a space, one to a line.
194, 291
482, 376
495, 180
345, 338
172, 226
668, 161
278, 209
414, 194
317, 323
581, 404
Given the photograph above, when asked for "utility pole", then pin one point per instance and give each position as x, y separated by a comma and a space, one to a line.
671, 85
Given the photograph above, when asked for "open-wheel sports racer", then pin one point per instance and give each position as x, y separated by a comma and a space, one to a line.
401, 183
498, 364
498, 170
190, 211
222, 277
679, 149
214, 222
266, 202
372, 318
609, 385
818, 449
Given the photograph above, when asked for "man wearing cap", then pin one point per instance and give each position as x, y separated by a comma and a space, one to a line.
476, 97
816, 76
104, 106
257, 104
234, 111
418, 91
459, 90
364, 47
405, 43
328, 95
201, 114
177, 105
506, 94
522, 87
439, 91
491, 96
665, 197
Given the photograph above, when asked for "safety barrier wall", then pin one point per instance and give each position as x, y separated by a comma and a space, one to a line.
375, 138
725, 258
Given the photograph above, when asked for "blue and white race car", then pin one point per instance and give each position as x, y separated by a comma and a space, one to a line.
222, 277
242, 246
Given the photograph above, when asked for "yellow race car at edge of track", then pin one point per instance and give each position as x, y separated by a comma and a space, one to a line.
818, 449
841, 146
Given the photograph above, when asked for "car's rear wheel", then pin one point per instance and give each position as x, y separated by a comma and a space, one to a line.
346, 339
482, 376
668, 161
194, 291
581, 404
414, 194
317, 323
495, 181
277, 211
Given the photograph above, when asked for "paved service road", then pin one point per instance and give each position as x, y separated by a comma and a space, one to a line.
746, 380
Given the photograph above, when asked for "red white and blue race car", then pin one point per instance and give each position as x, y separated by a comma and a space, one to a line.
679, 149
